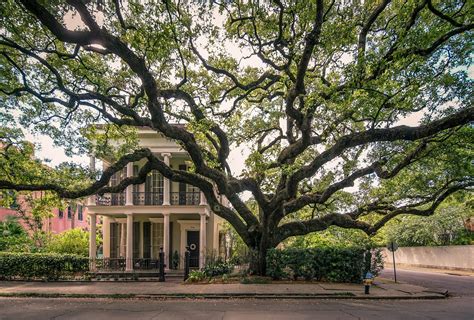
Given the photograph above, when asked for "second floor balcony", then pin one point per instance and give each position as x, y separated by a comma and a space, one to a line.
156, 190
186, 198
147, 198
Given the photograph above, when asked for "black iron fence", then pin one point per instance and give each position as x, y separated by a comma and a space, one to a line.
146, 264
110, 264
120, 264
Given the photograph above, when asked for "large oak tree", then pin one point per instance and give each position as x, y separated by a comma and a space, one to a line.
314, 92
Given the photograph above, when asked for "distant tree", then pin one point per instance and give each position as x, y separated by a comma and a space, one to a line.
313, 90
445, 227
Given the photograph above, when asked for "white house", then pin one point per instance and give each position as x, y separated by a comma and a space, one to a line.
157, 214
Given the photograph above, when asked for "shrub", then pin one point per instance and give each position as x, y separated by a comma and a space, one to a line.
22, 243
13, 236
196, 276
41, 265
73, 241
333, 264
217, 267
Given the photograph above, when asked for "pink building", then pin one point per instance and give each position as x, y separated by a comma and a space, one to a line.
60, 221
67, 219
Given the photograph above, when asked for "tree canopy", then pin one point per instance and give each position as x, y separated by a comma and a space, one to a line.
316, 93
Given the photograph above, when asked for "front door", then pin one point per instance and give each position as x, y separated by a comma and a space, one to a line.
193, 245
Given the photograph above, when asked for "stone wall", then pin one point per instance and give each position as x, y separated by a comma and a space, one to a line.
442, 257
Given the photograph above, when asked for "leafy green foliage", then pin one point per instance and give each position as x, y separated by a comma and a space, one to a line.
11, 227
41, 265
73, 241
13, 237
217, 267
445, 227
196, 276
332, 237
322, 264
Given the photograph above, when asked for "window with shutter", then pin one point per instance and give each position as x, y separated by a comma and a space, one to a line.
136, 240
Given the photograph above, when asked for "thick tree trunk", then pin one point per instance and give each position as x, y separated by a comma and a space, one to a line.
258, 257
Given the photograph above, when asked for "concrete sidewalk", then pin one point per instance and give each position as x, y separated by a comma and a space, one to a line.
382, 289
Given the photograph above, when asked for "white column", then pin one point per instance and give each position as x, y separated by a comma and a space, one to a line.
92, 240
202, 241
166, 237
129, 252
166, 181
202, 200
91, 199
128, 192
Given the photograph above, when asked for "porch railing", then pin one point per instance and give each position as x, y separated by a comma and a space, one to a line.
146, 264
147, 198
110, 264
119, 264
185, 198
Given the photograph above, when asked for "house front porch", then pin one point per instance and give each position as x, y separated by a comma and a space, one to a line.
132, 241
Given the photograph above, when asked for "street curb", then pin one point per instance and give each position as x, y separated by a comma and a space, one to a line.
171, 296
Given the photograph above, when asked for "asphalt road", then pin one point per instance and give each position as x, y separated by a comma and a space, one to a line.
96, 309
457, 285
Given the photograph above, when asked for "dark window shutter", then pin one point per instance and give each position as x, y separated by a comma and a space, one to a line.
136, 240
79, 213
114, 240
147, 240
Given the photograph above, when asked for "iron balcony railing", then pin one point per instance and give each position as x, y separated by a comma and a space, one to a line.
185, 198
147, 198
111, 199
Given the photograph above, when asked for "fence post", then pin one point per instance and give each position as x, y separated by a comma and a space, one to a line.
162, 265
186, 263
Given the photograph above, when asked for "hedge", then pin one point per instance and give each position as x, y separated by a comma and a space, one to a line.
323, 264
41, 265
